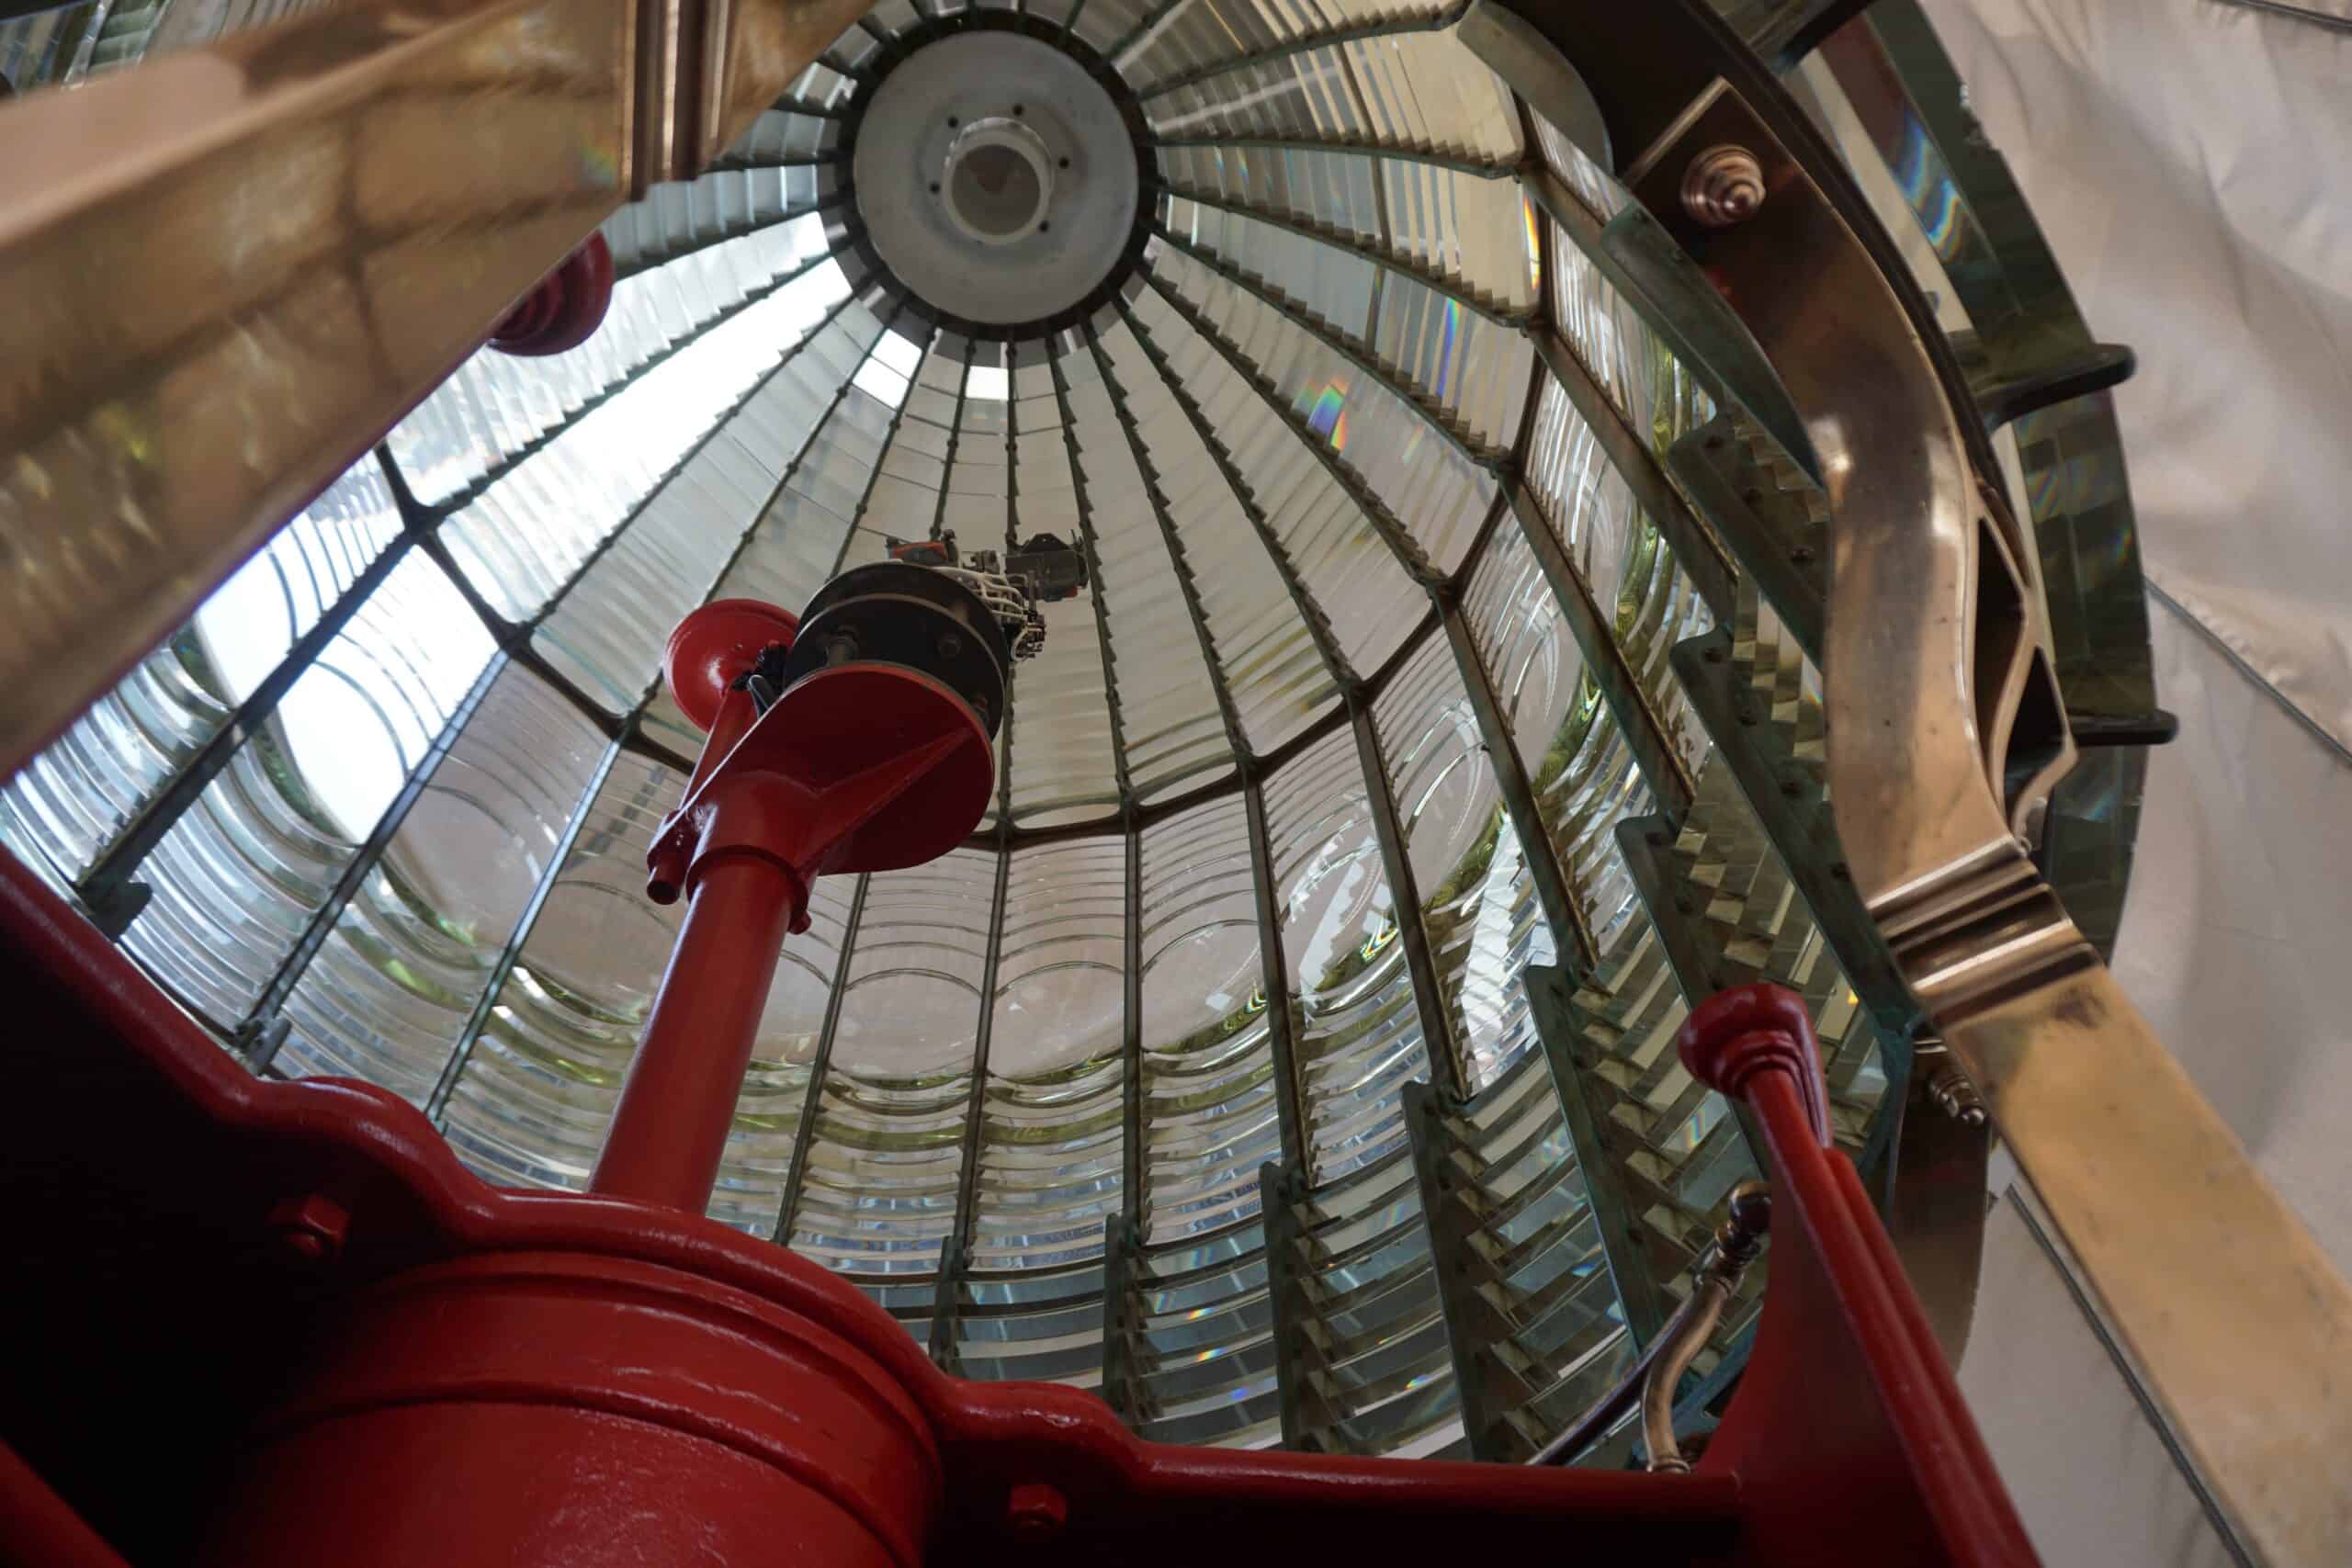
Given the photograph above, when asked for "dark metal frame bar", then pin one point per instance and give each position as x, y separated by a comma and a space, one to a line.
1362, 355
1383, 259
259, 1024
1376, 513
1305, 43
804, 1139
954, 1261
833, 200
461, 1050
1404, 151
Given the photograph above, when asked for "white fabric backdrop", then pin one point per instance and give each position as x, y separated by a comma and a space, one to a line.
2191, 163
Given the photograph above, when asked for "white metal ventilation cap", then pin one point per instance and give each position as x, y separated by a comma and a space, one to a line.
996, 178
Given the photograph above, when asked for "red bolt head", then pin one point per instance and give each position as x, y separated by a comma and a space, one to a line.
1036, 1511
313, 1226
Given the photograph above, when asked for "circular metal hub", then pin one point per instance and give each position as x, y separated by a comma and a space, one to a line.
996, 178
890, 612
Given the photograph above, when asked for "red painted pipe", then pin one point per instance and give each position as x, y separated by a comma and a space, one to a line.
669, 1131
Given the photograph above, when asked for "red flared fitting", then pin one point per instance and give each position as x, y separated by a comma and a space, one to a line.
566, 307
1734, 1034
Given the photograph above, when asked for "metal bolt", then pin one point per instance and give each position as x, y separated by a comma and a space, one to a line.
1951, 1089
949, 645
1745, 1220
1035, 1511
1723, 187
311, 1226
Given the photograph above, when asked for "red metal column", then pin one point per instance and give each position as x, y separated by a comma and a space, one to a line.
670, 1130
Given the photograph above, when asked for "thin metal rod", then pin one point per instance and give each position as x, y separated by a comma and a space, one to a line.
956, 1261
1091, 547
1245, 500
1384, 258
1382, 522
475, 488
1012, 452
1142, 29
437, 1104
649, 261
1326, 38
812, 1099
1697, 550
1271, 761
1132, 1164
1274, 971
1292, 1301
1364, 357
322, 921
1405, 899
1185, 582
1661, 765
1123, 1240
955, 440
519, 638
718, 427
789, 104
1402, 151
102, 885
1553, 889
735, 163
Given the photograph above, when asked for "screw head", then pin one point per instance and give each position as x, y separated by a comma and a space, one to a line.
949, 645
1035, 1511
1723, 187
311, 1226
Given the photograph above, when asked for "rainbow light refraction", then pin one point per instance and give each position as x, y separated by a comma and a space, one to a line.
1534, 245
1326, 413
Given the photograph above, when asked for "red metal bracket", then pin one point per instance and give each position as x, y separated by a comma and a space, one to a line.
467, 1375
863, 766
